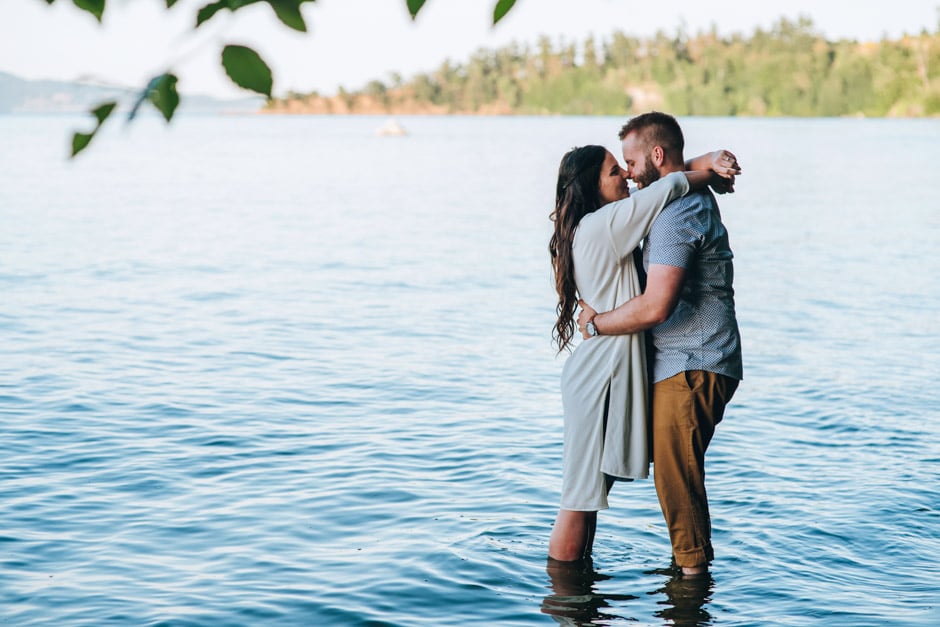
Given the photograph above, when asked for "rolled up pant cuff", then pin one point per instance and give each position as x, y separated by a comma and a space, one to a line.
694, 557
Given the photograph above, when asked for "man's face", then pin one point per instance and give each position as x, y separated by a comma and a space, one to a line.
640, 166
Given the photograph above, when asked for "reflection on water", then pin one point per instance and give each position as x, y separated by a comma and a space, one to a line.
686, 600
576, 600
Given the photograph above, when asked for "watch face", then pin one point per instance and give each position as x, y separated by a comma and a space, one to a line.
591, 329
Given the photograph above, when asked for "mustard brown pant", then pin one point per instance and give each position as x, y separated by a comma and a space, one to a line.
686, 409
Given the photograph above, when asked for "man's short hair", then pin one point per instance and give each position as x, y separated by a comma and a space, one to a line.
657, 129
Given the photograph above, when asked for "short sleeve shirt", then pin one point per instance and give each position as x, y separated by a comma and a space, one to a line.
702, 331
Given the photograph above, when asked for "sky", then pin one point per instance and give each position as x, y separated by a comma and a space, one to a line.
351, 42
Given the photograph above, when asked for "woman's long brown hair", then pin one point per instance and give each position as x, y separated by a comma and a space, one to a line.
577, 194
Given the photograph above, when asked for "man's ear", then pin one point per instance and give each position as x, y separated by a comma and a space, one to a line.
658, 156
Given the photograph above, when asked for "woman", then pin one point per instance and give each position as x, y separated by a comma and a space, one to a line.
598, 224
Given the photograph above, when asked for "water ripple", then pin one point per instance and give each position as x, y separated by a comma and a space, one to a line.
242, 406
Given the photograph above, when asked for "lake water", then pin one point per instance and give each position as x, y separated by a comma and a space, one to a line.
282, 371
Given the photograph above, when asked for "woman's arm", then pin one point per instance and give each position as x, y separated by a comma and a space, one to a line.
630, 219
700, 179
721, 161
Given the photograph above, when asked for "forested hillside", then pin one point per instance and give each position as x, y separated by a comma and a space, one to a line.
789, 70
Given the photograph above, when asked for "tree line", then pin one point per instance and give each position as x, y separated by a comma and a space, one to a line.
788, 70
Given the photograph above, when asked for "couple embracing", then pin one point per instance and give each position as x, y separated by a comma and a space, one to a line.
624, 399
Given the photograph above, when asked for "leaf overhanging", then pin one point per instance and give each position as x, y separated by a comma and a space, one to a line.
501, 9
247, 69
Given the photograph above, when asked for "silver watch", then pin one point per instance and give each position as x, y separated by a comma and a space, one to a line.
591, 329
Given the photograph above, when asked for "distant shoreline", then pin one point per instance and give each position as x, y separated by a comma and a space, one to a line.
789, 70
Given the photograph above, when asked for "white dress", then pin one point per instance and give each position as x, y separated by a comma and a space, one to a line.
604, 381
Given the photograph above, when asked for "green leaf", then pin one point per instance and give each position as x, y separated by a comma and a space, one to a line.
170, 3
205, 13
95, 7
501, 9
414, 6
247, 69
208, 11
102, 111
288, 11
80, 141
164, 96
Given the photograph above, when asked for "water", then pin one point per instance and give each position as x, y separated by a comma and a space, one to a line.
280, 371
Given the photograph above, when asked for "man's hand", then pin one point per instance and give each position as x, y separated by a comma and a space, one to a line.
587, 314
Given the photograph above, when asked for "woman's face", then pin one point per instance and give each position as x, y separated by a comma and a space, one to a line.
613, 182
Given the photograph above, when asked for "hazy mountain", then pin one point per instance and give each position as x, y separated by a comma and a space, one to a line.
19, 95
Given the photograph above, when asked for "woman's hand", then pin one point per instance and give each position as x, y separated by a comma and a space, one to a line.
724, 166
587, 314
724, 163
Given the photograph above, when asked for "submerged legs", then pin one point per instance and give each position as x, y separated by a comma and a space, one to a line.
572, 536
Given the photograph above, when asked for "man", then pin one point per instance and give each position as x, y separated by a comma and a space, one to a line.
696, 358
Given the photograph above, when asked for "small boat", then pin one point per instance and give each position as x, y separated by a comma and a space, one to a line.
391, 129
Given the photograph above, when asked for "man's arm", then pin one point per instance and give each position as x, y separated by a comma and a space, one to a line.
663, 287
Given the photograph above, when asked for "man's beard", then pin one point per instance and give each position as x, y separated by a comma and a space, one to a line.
649, 174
